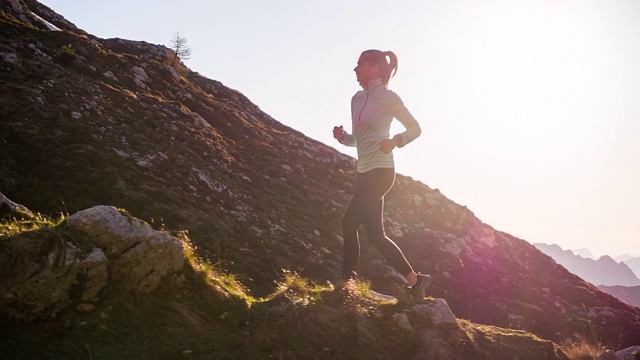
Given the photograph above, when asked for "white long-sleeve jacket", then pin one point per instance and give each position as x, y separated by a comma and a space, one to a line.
372, 111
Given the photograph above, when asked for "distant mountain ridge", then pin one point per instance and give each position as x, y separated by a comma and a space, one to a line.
623, 257
604, 271
632, 261
584, 252
634, 264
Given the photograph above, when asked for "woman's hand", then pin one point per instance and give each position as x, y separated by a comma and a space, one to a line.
387, 145
338, 132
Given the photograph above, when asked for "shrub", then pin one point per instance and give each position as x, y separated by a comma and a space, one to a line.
68, 55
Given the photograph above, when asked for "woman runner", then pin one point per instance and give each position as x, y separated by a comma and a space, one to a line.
372, 110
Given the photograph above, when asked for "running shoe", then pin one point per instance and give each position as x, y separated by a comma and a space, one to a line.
419, 289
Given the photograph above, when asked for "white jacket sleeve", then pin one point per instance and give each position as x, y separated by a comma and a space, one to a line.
403, 115
349, 140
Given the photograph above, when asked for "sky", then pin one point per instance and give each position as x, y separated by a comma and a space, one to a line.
530, 109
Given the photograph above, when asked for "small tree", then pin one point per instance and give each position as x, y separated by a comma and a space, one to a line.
68, 55
180, 48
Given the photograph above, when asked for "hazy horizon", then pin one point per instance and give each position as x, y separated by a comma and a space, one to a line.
580, 252
529, 109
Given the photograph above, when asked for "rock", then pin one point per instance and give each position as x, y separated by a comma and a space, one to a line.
9, 207
95, 275
436, 313
10, 58
109, 74
41, 277
630, 353
173, 72
435, 320
41, 273
140, 77
109, 229
402, 319
139, 257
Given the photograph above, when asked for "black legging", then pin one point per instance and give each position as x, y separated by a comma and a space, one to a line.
366, 207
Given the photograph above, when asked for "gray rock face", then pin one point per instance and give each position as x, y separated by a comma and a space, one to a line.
437, 312
139, 257
437, 318
39, 280
427, 315
41, 275
402, 319
630, 353
8, 206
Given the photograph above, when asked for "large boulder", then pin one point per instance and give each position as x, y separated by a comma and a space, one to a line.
139, 256
40, 277
44, 271
436, 312
435, 317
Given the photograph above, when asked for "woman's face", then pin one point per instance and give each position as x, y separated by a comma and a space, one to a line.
365, 71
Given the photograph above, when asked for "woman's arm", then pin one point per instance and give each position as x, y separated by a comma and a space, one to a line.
403, 115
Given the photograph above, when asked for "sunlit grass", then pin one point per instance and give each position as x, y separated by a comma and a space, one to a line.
298, 290
317, 313
23, 222
580, 348
488, 339
226, 284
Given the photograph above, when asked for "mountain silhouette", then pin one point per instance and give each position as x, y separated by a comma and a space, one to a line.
604, 271
634, 264
584, 252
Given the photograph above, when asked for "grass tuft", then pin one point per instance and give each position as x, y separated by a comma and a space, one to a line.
224, 283
23, 222
581, 348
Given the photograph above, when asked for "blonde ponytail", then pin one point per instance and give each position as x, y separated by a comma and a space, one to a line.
389, 67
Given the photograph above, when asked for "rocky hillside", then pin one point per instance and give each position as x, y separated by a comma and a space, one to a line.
103, 284
603, 271
88, 121
628, 294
